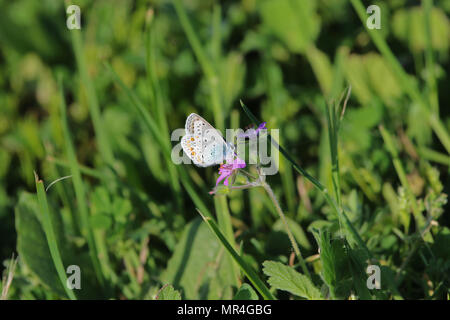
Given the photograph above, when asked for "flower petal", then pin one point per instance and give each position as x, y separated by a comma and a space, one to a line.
221, 177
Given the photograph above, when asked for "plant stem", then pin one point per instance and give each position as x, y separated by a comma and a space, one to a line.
269, 191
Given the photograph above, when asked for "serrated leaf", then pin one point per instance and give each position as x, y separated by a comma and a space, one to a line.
285, 278
168, 293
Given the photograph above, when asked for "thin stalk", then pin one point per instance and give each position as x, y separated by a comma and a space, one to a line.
272, 197
69, 219
334, 121
332, 132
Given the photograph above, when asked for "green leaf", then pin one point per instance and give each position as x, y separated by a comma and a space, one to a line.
335, 263
168, 293
285, 278
32, 243
358, 266
196, 265
246, 292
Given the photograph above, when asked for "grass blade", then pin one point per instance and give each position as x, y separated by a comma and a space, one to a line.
50, 235
433, 155
224, 221
80, 193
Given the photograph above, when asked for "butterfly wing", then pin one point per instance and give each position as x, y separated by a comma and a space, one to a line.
203, 144
192, 148
215, 149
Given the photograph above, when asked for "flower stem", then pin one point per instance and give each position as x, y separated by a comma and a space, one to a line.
288, 230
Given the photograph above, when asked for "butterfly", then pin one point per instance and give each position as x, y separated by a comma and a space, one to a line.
203, 144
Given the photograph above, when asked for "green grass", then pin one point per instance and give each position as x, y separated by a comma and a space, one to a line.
364, 173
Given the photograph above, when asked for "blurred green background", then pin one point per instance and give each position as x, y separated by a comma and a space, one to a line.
285, 59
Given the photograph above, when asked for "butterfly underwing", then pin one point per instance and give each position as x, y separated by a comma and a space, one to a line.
203, 144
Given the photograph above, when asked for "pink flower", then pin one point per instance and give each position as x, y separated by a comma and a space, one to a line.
228, 169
